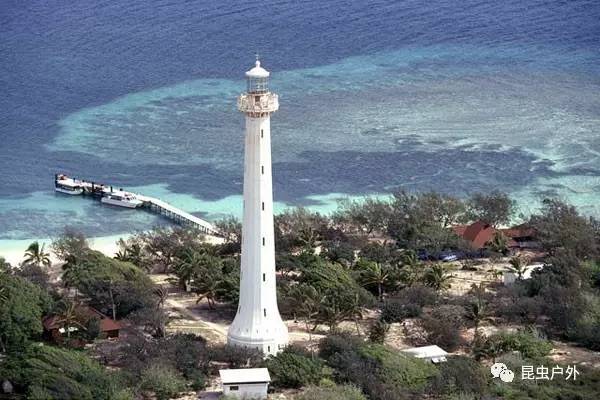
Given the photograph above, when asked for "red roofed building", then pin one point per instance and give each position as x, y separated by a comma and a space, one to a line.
479, 234
523, 236
109, 328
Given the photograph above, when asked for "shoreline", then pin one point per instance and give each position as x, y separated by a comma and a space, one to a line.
13, 250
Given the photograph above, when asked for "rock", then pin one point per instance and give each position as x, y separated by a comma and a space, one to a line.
7, 387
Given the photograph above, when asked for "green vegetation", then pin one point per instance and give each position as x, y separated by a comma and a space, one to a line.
378, 370
372, 259
461, 375
21, 309
443, 326
36, 255
162, 380
495, 208
293, 368
46, 372
586, 387
331, 392
114, 287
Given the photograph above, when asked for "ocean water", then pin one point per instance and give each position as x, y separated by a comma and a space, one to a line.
450, 96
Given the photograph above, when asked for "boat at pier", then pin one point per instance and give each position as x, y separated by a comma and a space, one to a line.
122, 199
107, 195
66, 185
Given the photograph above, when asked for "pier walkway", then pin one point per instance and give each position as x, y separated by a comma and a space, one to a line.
179, 216
65, 184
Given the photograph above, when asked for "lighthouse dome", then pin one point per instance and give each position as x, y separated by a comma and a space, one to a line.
257, 71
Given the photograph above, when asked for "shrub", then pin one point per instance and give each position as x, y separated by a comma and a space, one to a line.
292, 369
408, 303
378, 331
460, 375
112, 285
345, 392
163, 380
92, 329
329, 346
341, 298
35, 274
197, 379
443, 326
45, 372
379, 370
397, 369
20, 311
586, 387
186, 353
586, 333
189, 354
527, 343
395, 310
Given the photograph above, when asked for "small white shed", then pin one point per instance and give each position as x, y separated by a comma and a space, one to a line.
245, 383
433, 353
510, 277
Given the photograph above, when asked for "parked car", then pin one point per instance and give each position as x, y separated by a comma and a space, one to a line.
444, 256
448, 257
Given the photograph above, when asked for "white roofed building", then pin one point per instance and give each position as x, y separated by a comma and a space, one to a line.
245, 383
433, 353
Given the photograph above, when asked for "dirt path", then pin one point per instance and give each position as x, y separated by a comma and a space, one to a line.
217, 331
187, 316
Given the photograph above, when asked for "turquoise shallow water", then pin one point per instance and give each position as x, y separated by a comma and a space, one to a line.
396, 95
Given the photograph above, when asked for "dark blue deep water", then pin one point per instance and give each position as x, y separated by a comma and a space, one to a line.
444, 95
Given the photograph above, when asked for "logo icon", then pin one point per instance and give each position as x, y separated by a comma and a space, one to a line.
500, 370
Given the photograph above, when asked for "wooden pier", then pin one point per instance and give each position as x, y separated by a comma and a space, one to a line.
181, 217
98, 190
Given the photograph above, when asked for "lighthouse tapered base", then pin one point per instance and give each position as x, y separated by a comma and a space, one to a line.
269, 346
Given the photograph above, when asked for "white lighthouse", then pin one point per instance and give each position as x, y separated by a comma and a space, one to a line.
257, 323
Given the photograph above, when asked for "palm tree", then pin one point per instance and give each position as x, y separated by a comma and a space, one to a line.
208, 278
185, 268
437, 277
161, 294
4, 266
477, 309
377, 274
122, 255
499, 243
410, 258
518, 264
69, 317
3, 290
36, 255
411, 269
70, 275
309, 302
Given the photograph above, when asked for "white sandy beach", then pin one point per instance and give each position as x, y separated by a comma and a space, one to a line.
13, 250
